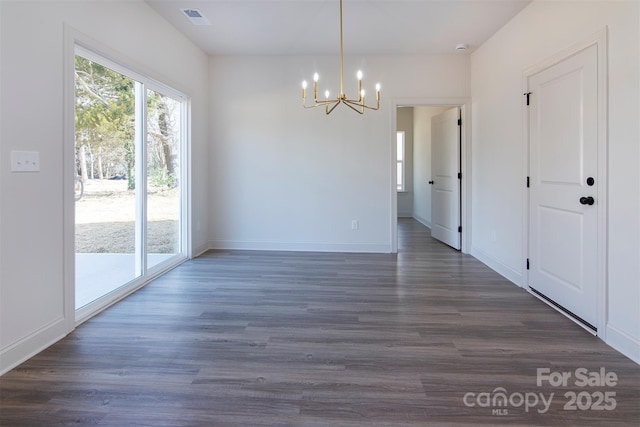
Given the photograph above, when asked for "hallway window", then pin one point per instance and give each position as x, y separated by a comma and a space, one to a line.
400, 161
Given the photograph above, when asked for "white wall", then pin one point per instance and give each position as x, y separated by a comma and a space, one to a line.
538, 32
32, 312
283, 177
422, 162
405, 198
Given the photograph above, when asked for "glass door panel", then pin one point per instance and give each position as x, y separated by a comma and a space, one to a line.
163, 177
105, 206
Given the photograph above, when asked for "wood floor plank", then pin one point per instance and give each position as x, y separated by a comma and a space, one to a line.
253, 338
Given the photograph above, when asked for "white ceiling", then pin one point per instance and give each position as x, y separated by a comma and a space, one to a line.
371, 27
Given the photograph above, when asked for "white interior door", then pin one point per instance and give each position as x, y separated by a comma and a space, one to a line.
445, 181
563, 205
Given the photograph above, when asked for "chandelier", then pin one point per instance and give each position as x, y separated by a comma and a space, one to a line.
357, 105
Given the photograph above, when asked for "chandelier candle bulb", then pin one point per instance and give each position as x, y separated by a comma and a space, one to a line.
304, 89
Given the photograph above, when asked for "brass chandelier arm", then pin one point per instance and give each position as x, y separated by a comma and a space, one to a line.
351, 105
360, 103
329, 110
320, 103
330, 104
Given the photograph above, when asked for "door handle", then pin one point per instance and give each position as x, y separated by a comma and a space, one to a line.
587, 200
431, 182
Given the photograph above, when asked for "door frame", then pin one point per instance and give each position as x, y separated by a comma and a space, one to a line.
465, 155
72, 39
599, 39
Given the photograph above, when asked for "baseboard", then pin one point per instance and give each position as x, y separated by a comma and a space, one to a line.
14, 354
499, 267
623, 342
423, 221
301, 247
200, 250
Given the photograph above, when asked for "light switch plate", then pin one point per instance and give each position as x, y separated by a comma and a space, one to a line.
25, 161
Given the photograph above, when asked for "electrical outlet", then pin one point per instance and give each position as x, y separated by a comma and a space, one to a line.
355, 224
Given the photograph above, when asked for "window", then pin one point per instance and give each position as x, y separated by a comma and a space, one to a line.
400, 160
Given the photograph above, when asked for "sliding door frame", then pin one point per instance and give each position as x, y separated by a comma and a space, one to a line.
78, 44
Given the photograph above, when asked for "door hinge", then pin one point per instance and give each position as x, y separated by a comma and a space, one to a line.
527, 263
459, 229
528, 182
459, 175
528, 94
459, 122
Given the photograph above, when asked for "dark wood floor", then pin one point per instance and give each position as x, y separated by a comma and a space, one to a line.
237, 338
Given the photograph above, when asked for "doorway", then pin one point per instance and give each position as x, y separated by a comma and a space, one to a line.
130, 145
414, 120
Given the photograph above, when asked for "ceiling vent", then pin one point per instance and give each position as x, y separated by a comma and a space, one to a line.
196, 17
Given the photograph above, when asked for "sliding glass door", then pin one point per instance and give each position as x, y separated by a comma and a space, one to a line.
129, 208
163, 177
